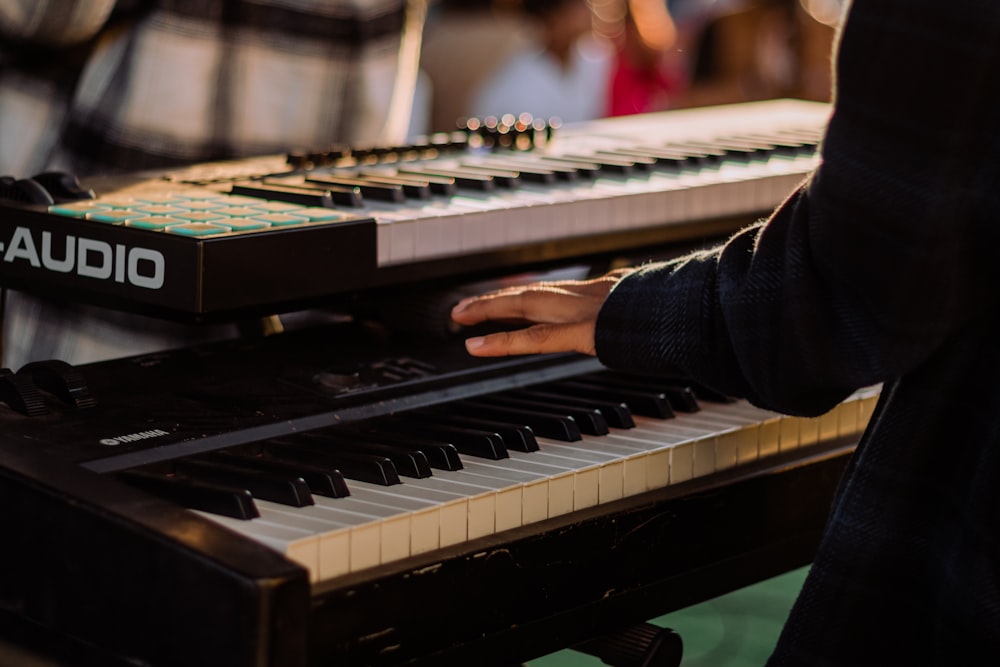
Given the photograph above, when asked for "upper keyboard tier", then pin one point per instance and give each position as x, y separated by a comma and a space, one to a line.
273, 233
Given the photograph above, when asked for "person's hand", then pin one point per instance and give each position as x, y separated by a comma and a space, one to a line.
561, 315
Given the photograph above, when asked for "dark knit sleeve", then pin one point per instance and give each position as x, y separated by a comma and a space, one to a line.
859, 275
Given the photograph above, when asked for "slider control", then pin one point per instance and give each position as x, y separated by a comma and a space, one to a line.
21, 394
62, 380
25, 191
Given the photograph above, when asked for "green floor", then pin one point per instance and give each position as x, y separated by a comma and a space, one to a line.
735, 630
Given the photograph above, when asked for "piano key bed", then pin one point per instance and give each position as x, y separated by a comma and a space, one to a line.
299, 464
385, 517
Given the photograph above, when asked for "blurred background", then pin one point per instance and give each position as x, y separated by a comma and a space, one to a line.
739, 629
576, 60
585, 59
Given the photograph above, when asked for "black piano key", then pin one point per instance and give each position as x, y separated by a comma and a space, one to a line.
412, 188
547, 425
589, 420
645, 403
558, 172
794, 142
473, 442
503, 178
518, 437
705, 152
779, 145
663, 157
709, 394
747, 144
639, 162
699, 390
727, 149
276, 487
193, 494
321, 198
523, 171
438, 185
463, 181
369, 189
409, 462
440, 454
327, 482
582, 168
757, 141
362, 467
318, 155
340, 196
682, 397
607, 163
617, 415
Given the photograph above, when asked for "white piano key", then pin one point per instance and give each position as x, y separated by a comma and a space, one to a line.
378, 525
533, 210
702, 439
365, 501
444, 515
848, 415
647, 466
671, 452
535, 213
788, 434
602, 470
768, 425
484, 225
471, 504
371, 539
332, 536
385, 230
735, 439
552, 489
808, 430
682, 458
299, 545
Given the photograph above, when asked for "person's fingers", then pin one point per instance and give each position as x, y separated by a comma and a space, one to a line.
534, 304
563, 316
563, 301
536, 339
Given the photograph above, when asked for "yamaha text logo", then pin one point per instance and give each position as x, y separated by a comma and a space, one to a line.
89, 258
133, 437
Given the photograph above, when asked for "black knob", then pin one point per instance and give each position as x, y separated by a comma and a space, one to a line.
63, 186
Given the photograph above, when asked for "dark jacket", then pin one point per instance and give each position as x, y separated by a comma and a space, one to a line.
883, 267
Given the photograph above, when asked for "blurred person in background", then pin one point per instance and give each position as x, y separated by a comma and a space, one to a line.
97, 87
102, 86
561, 75
745, 50
465, 43
647, 73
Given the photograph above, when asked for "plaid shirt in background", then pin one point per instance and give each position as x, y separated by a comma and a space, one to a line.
95, 87
173, 81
